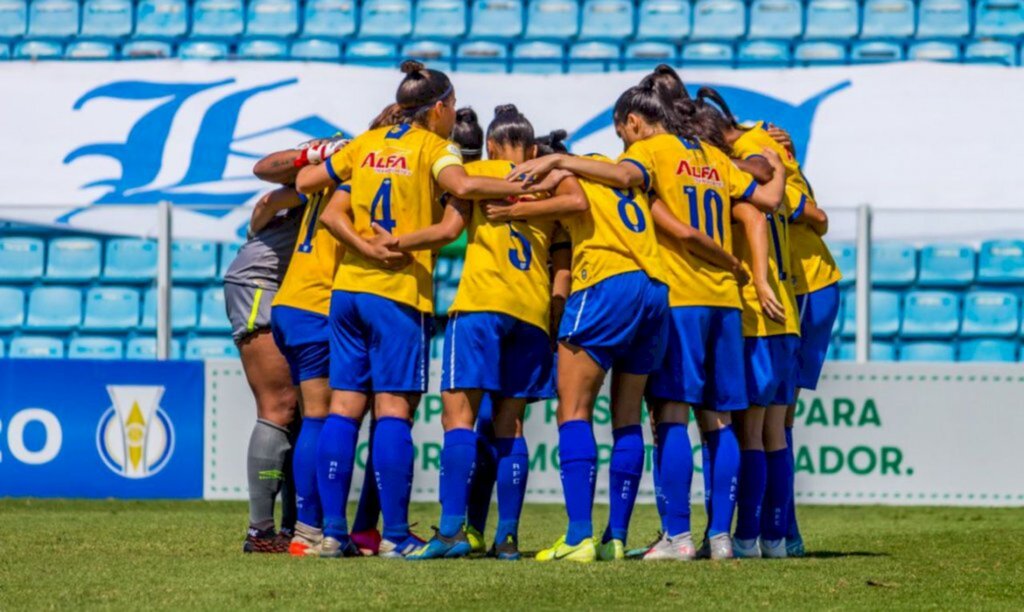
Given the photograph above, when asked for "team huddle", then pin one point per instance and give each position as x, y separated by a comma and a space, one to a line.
691, 270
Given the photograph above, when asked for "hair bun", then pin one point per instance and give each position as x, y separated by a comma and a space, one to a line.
505, 109
665, 69
466, 115
412, 66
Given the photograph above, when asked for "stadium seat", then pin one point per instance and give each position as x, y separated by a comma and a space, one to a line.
928, 351
443, 300
73, 260
934, 51
12, 308
708, 53
21, 259
193, 261
272, 18
943, 19
990, 52
991, 314
332, 19
5, 51
106, 18
880, 351
52, 18
718, 19
593, 57
161, 18
888, 19
946, 265
95, 347
203, 50
146, 49
210, 348
111, 309
371, 53
228, 250
217, 18
455, 274
538, 58
647, 55
442, 269
819, 53
54, 309
184, 311
997, 18
144, 347
557, 20
988, 351
263, 49
36, 347
130, 260
755, 53
385, 19
437, 346
832, 19
496, 19
308, 49
90, 50
3, 348
877, 51
433, 54
776, 19
930, 314
664, 20
13, 18
213, 316
445, 19
885, 314
893, 264
482, 56
38, 49
1001, 261
606, 20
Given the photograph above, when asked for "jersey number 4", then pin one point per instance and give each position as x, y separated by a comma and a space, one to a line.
382, 205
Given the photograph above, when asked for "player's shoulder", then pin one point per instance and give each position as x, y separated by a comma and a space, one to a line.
489, 167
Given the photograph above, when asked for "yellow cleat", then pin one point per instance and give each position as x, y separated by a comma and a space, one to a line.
612, 550
476, 539
584, 552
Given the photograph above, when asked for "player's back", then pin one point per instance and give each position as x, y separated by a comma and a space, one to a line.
307, 283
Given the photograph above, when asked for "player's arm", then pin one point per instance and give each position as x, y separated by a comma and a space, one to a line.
811, 216
270, 204
567, 199
432, 238
618, 175
758, 167
283, 166
455, 181
337, 218
695, 241
561, 282
768, 197
755, 228
782, 137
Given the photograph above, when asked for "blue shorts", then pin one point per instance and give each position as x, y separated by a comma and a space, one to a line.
301, 336
770, 369
704, 361
499, 353
620, 322
818, 312
377, 344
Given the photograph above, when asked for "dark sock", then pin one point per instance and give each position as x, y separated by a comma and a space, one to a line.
368, 510
792, 528
676, 468
625, 470
750, 495
776, 497
393, 462
307, 496
707, 475
457, 459
725, 457
265, 467
513, 473
577, 454
335, 460
485, 475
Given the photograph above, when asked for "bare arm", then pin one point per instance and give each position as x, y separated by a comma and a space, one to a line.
568, 199
455, 181
278, 167
813, 217
455, 219
270, 204
337, 218
561, 285
622, 175
758, 167
768, 197
695, 241
755, 228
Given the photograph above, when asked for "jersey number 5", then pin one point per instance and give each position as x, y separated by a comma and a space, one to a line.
382, 204
520, 262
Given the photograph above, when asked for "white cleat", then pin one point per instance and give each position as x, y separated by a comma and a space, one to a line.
674, 548
746, 549
721, 547
773, 549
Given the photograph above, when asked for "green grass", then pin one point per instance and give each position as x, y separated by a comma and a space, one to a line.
174, 555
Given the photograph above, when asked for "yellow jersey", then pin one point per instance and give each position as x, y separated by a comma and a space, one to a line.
614, 237
393, 174
697, 183
307, 282
506, 265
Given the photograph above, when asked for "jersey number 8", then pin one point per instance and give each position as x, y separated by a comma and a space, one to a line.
628, 204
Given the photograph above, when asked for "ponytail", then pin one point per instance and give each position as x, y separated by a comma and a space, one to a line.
421, 89
468, 134
552, 143
646, 100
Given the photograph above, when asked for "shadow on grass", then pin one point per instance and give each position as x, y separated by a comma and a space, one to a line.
839, 554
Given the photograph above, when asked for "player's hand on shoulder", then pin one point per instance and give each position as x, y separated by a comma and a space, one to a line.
498, 211
533, 170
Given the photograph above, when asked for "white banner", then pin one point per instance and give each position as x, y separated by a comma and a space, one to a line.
126, 135
872, 434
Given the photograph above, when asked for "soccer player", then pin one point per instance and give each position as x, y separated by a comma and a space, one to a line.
382, 301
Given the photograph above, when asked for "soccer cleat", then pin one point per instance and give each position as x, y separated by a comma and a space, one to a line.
584, 552
612, 550
795, 547
264, 541
721, 547
367, 541
746, 549
674, 548
773, 549
398, 550
476, 539
333, 548
637, 553
505, 551
306, 541
442, 547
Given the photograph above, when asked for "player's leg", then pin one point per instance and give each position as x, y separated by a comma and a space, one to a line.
316, 401
485, 475
674, 459
513, 471
627, 461
779, 487
364, 534
752, 477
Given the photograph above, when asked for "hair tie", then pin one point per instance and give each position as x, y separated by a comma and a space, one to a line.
443, 95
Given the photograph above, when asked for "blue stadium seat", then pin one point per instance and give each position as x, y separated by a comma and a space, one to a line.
496, 19
536, 57
606, 20
482, 56
54, 309
111, 309
885, 314
193, 261
74, 260
90, 50
934, 51
161, 18
333, 19
1001, 261
990, 52
272, 18
776, 19
385, 19
943, 19
146, 49
38, 49
880, 351
3, 348
647, 55
36, 347
263, 49
455, 274
443, 19
228, 250
1002, 18
442, 269
832, 19
928, 351
217, 18
988, 351
210, 348
888, 19
708, 53
946, 265
593, 57
443, 300
819, 53
106, 18
5, 51
557, 20
13, 18
52, 18
371, 53
203, 50
12, 308
213, 316
95, 347
991, 314
433, 54
930, 314
184, 310
307, 49
877, 51
719, 19
21, 259
664, 20
893, 264
130, 260
144, 347
755, 53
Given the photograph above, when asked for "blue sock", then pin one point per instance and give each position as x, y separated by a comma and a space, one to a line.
307, 496
577, 456
513, 472
659, 493
776, 496
484, 476
792, 528
627, 466
725, 457
751, 494
676, 476
335, 456
707, 472
457, 459
368, 510
392, 463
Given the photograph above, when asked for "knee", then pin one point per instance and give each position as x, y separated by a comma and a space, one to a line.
279, 406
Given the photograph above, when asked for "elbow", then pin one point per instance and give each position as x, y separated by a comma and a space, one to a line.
261, 170
304, 183
450, 233
579, 204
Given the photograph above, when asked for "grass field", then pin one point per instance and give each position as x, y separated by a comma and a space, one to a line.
164, 555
